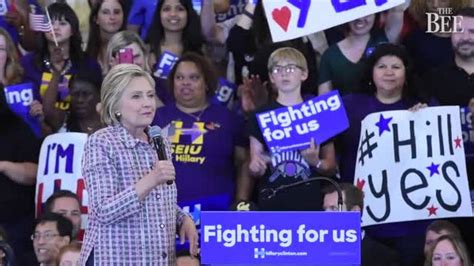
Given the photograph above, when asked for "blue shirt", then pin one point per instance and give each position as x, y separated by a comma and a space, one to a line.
141, 14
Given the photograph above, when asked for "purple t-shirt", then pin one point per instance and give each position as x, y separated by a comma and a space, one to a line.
40, 78
358, 106
203, 153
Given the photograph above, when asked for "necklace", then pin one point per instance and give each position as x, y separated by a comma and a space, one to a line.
196, 115
66, 68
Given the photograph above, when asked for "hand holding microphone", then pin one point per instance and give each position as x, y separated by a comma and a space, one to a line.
158, 142
163, 172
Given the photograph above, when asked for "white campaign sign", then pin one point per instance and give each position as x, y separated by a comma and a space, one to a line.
411, 166
59, 167
289, 19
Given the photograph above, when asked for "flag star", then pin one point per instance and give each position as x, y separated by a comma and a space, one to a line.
433, 169
383, 124
360, 183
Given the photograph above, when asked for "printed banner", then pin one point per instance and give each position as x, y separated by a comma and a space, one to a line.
277, 237
63, 99
59, 168
165, 64
289, 19
411, 166
225, 92
3, 7
291, 128
19, 98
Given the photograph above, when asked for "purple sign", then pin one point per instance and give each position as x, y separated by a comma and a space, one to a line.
19, 98
225, 92
291, 128
277, 237
165, 64
467, 127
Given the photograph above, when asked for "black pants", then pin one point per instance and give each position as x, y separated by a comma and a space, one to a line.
90, 260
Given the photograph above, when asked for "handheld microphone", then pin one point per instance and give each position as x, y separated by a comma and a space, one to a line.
154, 133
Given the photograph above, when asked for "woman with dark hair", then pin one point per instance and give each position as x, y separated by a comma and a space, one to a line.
388, 84
343, 63
207, 139
18, 165
107, 18
59, 56
176, 28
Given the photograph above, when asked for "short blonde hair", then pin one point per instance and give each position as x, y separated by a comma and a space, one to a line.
113, 86
287, 53
121, 39
13, 69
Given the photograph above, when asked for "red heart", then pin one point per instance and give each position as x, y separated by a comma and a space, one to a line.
360, 183
282, 17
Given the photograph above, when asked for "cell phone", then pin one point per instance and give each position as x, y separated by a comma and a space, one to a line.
125, 56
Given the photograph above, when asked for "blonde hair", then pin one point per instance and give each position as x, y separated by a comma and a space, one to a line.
72, 247
287, 53
13, 69
121, 39
418, 9
458, 246
113, 86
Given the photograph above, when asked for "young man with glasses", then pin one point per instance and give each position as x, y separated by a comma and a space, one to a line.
52, 232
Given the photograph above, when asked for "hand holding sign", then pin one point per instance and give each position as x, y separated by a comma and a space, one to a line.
36, 110
311, 154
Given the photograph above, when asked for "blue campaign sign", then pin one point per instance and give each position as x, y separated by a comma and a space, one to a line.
225, 92
467, 127
291, 128
19, 98
165, 64
278, 238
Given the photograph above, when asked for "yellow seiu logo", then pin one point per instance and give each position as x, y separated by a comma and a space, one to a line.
64, 98
196, 132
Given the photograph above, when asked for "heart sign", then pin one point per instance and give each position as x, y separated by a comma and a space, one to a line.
282, 17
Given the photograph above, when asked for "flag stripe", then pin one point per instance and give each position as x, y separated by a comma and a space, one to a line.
39, 22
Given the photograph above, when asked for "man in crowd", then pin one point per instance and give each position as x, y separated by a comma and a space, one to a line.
67, 204
373, 253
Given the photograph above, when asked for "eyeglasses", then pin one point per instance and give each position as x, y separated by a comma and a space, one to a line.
48, 236
285, 69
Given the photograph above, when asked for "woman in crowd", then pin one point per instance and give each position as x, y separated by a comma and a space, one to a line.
388, 84
107, 18
342, 63
140, 56
11, 71
85, 95
59, 56
207, 139
448, 250
128, 195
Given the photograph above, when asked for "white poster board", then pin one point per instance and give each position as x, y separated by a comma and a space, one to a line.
411, 166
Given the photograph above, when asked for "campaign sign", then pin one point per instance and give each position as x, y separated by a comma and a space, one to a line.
467, 127
165, 64
291, 128
225, 92
289, 19
59, 168
411, 166
3, 7
277, 237
19, 98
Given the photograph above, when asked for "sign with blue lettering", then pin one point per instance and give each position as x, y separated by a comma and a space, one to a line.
277, 237
165, 64
291, 128
288, 19
19, 98
225, 92
423, 171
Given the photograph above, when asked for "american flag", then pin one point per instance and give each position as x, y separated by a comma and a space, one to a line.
40, 22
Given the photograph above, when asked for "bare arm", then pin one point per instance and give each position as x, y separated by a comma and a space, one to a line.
244, 182
53, 116
324, 87
394, 22
21, 173
211, 31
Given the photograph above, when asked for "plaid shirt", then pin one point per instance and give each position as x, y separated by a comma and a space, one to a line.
122, 230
